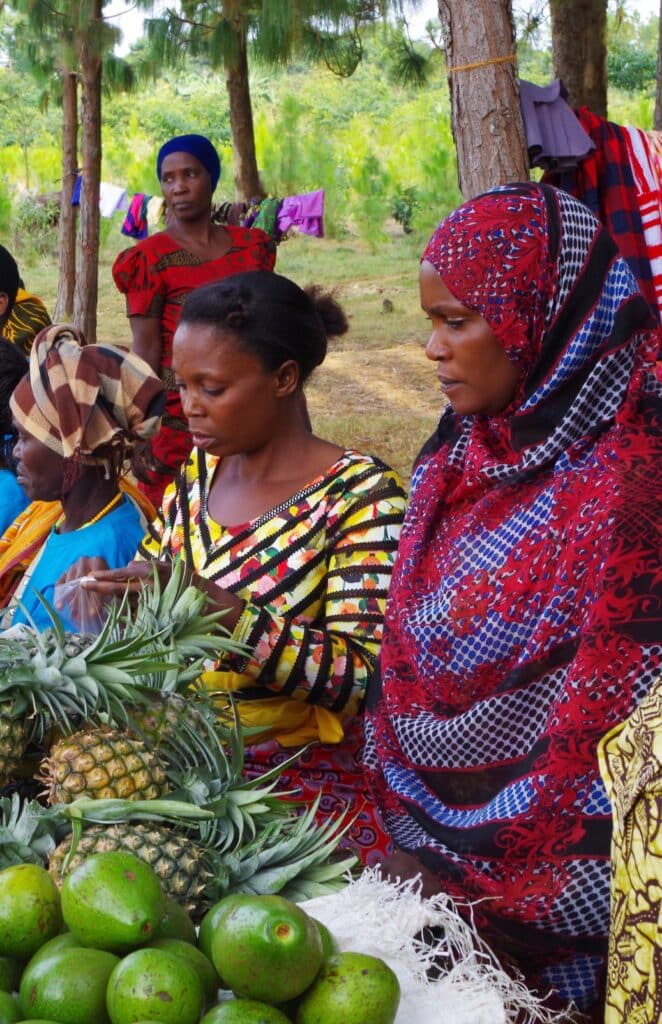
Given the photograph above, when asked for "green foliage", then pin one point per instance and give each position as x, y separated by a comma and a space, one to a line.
282, 148
634, 108
403, 206
369, 206
410, 65
5, 207
534, 64
364, 140
630, 69
34, 227
22, 123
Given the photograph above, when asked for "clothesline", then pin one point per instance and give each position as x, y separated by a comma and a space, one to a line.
276, 216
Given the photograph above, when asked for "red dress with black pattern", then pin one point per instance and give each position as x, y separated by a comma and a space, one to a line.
156, 275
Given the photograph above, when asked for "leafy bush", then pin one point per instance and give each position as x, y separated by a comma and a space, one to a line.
403, 205
631, 69
369, 205
35, 227
5, 207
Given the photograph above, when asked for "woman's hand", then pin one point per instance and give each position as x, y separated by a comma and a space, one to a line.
401, 866
130, 578
134, 576
85, 609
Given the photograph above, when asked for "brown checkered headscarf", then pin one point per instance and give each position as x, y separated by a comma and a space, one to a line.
78, 399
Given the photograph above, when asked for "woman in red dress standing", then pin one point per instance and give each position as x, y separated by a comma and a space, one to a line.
157, 273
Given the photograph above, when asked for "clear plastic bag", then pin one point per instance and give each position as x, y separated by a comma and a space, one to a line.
85, 609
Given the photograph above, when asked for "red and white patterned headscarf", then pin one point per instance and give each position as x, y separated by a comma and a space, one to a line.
524, 613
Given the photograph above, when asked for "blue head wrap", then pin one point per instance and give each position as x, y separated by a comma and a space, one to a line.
195, 145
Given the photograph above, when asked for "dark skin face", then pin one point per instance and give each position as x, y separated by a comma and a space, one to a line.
475, 373
233, 404
186, 186
255, 420
39, 470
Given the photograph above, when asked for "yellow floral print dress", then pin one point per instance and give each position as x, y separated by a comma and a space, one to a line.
631, 765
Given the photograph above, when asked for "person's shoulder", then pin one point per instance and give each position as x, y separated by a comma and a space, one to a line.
122, 528
251, 238
359, 473
147, 248
136, 270
245, 236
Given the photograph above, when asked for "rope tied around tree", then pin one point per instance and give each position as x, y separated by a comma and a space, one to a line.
510, 58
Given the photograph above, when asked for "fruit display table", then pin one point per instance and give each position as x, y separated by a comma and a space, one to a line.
382, 919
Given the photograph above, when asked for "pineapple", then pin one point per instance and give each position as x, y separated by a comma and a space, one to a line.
61, 679
13, 743
102, 763
180, 864
214, 831
247, 841
57, 679
164, 716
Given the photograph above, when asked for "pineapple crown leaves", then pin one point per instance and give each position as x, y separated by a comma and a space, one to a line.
320, 880
115, 812
195, 751
297, 850
176, 612
205, 760
29, 832
57, 676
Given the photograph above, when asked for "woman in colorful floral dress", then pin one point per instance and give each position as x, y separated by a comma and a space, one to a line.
293, 536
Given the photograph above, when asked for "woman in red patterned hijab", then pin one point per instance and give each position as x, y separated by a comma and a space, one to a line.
524, 613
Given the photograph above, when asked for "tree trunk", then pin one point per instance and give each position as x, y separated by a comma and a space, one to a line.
247, 182
579, 51
87, 279
64, 303
486, 115
657, 118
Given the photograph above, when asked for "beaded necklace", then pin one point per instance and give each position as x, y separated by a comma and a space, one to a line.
95, 519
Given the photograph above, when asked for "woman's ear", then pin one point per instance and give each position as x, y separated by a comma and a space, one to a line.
4, 304
287, 378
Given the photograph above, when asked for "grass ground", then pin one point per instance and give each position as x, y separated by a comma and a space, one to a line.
376, 391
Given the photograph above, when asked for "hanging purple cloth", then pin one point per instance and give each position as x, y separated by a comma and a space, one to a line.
304, 211
135, 222
554, 137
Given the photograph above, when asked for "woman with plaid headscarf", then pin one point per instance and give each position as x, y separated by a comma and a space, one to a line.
79, 413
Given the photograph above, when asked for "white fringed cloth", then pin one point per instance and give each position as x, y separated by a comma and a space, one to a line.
381, 918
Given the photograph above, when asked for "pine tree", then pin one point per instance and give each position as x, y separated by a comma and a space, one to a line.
230, 32
68, 46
